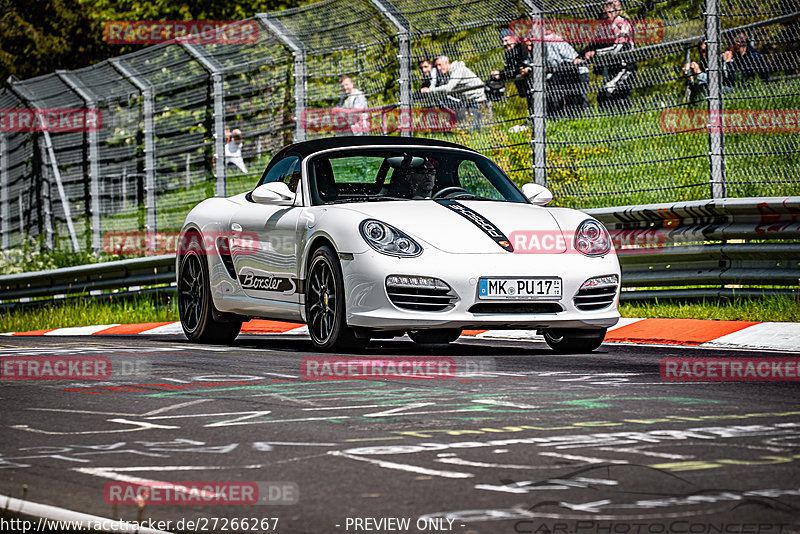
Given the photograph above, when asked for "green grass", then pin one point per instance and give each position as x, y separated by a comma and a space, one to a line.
85, 312
771, 308
82, 312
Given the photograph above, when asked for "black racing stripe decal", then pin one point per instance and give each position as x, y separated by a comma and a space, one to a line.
480, 221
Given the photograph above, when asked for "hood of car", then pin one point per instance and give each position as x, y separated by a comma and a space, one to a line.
466, 226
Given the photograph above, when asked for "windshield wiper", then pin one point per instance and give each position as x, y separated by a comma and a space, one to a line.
471, 197
363, 199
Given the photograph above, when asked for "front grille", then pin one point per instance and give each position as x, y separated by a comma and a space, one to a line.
516, 307
421, 298
595, 298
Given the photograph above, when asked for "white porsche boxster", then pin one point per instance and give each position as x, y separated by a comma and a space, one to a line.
375, 237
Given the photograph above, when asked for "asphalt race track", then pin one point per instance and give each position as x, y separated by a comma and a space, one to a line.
519, 440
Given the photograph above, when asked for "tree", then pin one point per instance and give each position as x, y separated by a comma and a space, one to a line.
39, 36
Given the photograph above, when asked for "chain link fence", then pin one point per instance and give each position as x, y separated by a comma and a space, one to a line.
607, 103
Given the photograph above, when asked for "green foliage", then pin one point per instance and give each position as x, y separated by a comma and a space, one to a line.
33, 256
39, 36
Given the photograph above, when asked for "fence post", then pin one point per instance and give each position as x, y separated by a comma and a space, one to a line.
21, 218
539, 73
46, 194
299, 52
715, 101
4, 209
149, 143
29, 99
396, 18
90, 99
216, 71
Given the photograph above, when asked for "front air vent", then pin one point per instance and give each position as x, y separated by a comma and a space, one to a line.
595, 298
516, 307
418, 293
224, 248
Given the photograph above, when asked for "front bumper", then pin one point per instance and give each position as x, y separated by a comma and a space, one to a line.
369, 305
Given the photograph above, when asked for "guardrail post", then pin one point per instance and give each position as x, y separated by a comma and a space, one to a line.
715, 100
539, 73
90, 100
149, 143
396, 18
216, 71
30, 100
4, 210
299, 52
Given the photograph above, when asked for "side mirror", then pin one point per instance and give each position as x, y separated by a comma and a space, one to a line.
272, 193
537, 194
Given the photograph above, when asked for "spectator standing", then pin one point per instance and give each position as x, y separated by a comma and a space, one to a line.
696, 74
617, 37
353, 99
515, 60
233, 149
567, 82
462, 82
429, 74
742, 63
430, 78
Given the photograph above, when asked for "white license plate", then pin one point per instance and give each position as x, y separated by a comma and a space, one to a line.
519, 288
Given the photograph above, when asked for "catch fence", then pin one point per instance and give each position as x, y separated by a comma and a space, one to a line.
700, 99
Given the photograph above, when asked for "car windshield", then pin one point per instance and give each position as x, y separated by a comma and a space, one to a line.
407, 173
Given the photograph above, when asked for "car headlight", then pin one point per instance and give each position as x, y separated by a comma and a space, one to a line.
388, 240
592, 239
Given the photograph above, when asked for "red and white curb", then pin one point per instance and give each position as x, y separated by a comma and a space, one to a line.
783, 337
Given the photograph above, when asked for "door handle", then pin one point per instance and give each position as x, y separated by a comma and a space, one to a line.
236, 227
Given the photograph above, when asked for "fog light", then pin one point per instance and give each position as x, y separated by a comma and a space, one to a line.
396, 280
601, 281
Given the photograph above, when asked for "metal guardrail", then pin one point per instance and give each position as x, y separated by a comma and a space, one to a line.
725, 242
716, 244
89, 279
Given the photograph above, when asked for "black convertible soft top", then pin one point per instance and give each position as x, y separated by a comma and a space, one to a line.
306, 148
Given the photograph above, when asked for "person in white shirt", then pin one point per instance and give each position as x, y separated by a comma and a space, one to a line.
463, 84
462, 81
353, 98
233, 149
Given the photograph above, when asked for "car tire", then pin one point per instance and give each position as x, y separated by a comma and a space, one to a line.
434, 337
195, 305
565, 341
326, 305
